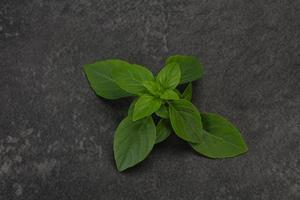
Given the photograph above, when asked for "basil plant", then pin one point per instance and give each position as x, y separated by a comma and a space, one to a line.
208, 134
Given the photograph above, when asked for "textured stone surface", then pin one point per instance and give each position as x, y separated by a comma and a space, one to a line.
56, 135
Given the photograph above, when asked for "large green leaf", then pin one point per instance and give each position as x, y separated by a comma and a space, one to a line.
169, 76
190, 67
188, 92
133, 141
145, 106
100, 78
131, 78
163, 130
186, 120
221, 138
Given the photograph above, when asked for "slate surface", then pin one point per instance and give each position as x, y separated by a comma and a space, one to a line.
56, 135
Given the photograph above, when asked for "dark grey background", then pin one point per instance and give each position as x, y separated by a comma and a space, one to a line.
56, 135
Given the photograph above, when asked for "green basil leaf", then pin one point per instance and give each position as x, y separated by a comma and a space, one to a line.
190, 67
163, 130
99, 75
163, 112
178, 93
169, 76
133, 141
153, 87
188, 92
145, 106
186, 120
131, 78
131, 108
169, 94
221, 139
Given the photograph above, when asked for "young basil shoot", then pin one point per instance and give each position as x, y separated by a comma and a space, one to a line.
208, 134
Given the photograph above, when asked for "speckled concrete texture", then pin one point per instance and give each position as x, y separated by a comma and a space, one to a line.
56, 135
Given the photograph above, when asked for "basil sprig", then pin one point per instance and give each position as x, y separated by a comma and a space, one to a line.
208, 134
